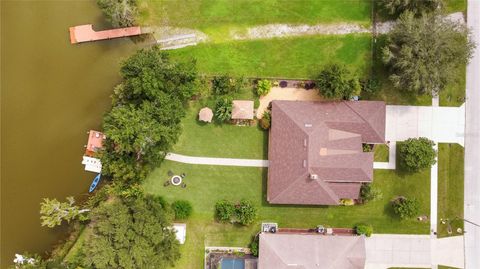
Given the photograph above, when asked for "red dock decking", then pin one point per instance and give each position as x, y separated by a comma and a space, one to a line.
85, 33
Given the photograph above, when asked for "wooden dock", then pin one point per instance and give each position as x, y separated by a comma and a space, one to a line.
85, 33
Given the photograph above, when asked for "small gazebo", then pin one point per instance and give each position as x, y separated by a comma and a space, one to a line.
205, 114
242, 110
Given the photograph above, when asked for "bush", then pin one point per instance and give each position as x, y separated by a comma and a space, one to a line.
224, 210
182, 209
254, 246
226, 85
369, 85
364, 229
367, 147
245, 212
406, 208
368, 193
119, 13
417, 154
415, 6
263, 87
337, 82
347, 202
266, 120
223, 109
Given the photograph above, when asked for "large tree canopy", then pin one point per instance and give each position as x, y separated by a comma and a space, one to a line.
120, 13
148, 106
424, 54
417, 7
131, 233
150, 72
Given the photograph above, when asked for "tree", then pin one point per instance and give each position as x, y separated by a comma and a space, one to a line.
263, 87
224, 210
131, 233
417, 7
335, 81
182, 209
245, 212
54, 212
223, 109
147, 109
424, 54
368, 193
417, 154
405, 208
120, 13
150, 75
364, 229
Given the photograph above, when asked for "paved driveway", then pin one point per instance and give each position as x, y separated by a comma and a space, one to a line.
418, 251
440, 124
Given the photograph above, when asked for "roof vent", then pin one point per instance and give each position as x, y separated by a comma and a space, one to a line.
308, 125
304, 163
313, 176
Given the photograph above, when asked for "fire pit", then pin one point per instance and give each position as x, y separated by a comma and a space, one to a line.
176, 180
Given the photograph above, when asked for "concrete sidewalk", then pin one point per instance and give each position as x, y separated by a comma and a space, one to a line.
216, 161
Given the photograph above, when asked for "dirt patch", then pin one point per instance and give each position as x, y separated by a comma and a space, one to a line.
277, 93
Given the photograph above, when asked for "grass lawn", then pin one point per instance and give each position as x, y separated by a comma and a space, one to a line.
454, 94
456, 6
208, 184
299, 57
450, 186
205, 14
380, 153
214, 140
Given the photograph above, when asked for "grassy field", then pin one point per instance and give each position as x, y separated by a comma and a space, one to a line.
380, 153
450, 187
205, 14
208, 184
455, 6
300, 57
454, 94
214, 140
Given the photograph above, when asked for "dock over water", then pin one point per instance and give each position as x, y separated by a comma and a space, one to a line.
85, 33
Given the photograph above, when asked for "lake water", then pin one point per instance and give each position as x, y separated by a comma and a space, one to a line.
52, 93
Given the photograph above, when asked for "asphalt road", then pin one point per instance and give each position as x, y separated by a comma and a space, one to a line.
472, 145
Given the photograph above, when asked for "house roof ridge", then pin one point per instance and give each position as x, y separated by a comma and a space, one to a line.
347, 103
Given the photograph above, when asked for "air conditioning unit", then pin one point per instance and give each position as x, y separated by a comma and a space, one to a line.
313, 176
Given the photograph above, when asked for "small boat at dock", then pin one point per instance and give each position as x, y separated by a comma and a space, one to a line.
94, 183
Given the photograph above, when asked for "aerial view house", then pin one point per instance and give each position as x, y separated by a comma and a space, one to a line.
308, 251
315, 150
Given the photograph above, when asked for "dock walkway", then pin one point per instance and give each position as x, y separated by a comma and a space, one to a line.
85, 33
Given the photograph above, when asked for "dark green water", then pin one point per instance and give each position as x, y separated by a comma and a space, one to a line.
52, 93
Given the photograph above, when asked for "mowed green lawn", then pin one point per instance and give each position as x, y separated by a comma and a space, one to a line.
203, 14
208, 184
220, 140
299, 57
450, 187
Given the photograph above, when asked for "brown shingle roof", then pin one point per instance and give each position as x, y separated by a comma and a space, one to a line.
321, 140
242, 110
310, 251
